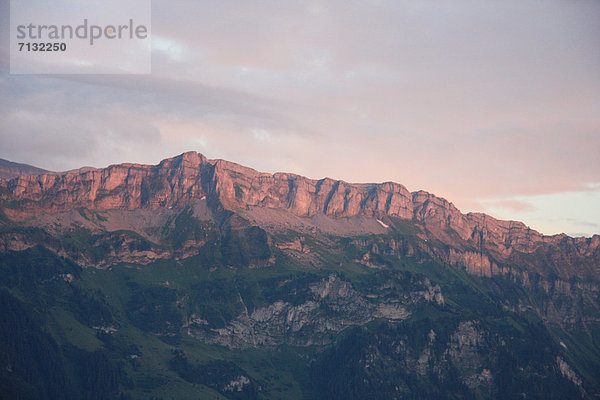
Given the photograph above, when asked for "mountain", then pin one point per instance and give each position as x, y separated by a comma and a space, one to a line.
9, 169
482, 244
198, 278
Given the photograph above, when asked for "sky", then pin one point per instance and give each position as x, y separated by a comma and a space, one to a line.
493, 105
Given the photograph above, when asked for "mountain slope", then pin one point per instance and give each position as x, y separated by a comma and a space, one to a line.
481, 243
199, 278
9, 169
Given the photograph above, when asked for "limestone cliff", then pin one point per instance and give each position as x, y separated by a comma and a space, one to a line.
477, 239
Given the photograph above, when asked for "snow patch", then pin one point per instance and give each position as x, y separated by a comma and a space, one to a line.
383, 224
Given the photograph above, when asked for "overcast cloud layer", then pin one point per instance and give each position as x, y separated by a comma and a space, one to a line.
494, 105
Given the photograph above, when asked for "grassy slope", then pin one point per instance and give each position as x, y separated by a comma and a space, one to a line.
143, 346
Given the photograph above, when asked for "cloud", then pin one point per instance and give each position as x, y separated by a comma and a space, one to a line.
551, 213
511, 205
474, 101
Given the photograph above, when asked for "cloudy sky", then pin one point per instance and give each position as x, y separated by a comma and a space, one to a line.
494, 105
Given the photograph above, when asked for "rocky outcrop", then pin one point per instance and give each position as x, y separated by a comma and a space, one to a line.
567, 371
333, 306
465, 348
124, 186
192, 176
480, 243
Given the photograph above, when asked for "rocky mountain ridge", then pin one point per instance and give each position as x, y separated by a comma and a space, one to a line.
9, 169
208, 277
478, 241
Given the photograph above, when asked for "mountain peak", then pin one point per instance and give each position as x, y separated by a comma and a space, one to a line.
191, 157
191, 177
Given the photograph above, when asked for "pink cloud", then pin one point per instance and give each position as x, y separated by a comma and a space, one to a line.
511, 205
468, 100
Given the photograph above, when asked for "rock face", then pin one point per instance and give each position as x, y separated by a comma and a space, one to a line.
9, 170
124, 186
333, 306
367, 290
191, 176
478, 242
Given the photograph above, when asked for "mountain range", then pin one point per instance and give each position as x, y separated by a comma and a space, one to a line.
199, 278
10, 169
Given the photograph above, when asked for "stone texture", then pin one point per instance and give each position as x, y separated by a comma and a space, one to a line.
478, 242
